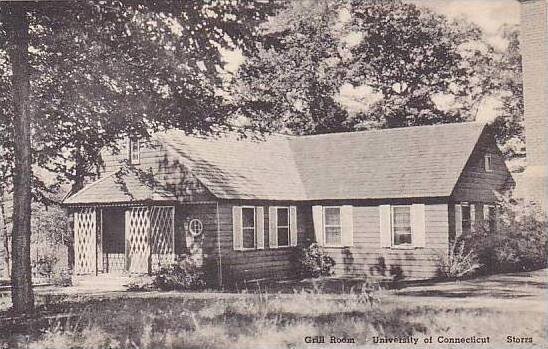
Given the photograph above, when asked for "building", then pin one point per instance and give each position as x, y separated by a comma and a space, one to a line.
534, 44
382, 203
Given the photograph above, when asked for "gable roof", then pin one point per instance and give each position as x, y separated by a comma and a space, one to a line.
409, 162
232, 168
423, 161
118, 188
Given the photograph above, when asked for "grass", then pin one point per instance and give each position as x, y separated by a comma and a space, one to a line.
254, 320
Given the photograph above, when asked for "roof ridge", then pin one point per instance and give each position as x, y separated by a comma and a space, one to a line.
402, 128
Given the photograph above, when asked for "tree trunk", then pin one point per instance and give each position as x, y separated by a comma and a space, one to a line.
17, 28
5, 234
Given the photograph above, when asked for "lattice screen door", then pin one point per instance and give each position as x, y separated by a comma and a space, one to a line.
150, 237
162, 235
137, 235
85, 243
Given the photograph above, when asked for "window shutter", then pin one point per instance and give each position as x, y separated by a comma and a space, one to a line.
259, 211
272, 227
293, 225
472, 216
317, 217
237, 227
347, 225
385, 225
418, 225
458, 220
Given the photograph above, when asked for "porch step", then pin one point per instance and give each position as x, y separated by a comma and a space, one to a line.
101, 282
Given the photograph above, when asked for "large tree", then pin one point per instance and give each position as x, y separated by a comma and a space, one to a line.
334, 65
84, 74
17, 32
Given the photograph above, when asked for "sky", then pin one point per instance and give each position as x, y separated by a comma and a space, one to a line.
490, 15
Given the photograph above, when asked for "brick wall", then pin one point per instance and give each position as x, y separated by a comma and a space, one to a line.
533, 47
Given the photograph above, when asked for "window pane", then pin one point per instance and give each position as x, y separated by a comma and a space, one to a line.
248, 237
402, 238
401, 220
333, 236
283, 236
248, 217
332, 216
283, 217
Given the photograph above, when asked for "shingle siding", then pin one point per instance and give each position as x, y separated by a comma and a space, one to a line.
475, 183
367, 259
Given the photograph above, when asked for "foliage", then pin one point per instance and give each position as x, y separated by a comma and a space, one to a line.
398, 55
96, 86
183, 275
141, 283
519, 242
44, 265
459, 262
312, 261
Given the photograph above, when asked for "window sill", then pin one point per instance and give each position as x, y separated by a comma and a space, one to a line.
280, 247
335, 246
403, 247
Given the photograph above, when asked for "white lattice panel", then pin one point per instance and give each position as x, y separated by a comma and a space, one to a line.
137, 234
85, 243
162, 235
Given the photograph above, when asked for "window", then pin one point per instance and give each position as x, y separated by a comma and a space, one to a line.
332, 226
489, 215
401, 225
134, 151
488, 163
466, 218
248, 227
282, 218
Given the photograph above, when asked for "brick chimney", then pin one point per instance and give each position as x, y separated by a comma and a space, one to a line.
534, 43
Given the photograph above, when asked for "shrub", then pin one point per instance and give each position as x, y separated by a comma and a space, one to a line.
141, 283
182, 275
519, 242
313, 262
44, 266
459, 262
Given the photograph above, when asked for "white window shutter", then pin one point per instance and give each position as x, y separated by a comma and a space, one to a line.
472, 216
237, 228
458, 220
317, 217
293, 225
347, 220
272, 227
418, 225
385, 225
259, 211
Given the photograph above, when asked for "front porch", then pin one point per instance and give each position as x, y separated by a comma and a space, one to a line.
123, 239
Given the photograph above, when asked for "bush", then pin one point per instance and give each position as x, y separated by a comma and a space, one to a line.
313, 262
519, 242
182, 275
459, 262
44, 266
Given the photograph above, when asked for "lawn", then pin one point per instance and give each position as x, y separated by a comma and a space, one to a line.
275, 320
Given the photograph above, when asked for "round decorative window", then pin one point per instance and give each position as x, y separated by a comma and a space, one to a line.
195, 227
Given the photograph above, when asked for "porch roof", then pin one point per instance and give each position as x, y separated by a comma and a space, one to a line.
119, 187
